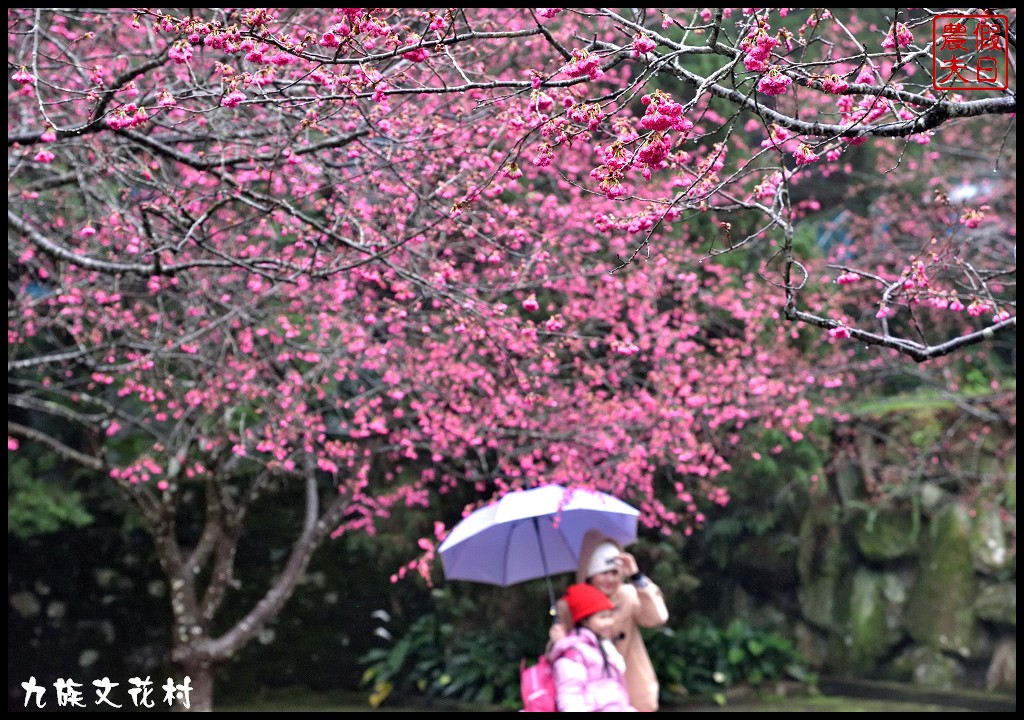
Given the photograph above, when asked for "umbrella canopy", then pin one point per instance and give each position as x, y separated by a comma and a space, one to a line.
533, 533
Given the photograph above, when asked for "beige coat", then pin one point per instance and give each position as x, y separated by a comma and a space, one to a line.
633, 609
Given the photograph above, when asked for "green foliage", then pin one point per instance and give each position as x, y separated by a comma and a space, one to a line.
705, 660
36, 507
438, 658
768, 486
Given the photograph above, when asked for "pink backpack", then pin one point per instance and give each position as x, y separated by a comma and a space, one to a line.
537, 685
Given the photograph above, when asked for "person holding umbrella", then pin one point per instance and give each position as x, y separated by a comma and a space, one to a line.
604, 565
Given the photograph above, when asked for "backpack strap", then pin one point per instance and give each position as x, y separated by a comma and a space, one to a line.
568, 652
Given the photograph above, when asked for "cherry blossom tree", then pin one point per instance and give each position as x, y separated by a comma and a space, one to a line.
360, 257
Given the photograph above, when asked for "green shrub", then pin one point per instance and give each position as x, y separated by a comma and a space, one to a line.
434, 660
441, 656
705, 660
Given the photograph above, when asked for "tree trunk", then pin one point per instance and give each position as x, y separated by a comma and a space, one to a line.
199, 675
195, 650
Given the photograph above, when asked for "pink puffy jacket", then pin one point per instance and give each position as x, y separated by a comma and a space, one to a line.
582, 681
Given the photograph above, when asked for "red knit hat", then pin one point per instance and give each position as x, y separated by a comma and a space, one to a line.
585, 600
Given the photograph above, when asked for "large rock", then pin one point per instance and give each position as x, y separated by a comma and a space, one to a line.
822, 564
998, 604
887, 535
940, 611
1002, 670
991, 545
929, 667
873, 626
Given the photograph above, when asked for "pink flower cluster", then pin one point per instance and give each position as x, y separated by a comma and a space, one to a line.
583, 63
545, 154
663, 114
768, 188
541, 102
512, 171
642, 45
774, 82
899, 36
589, 114
610, 173
24, 77
330, 38
866, 76
776, 136
759, 47
180, 52
834, 84
127, 116
978, 308
915, 276
654, 152
625, 347
805, 156
419, 54
972, 218
233, 99
226, 40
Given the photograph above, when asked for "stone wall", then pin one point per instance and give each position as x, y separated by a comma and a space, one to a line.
922, 592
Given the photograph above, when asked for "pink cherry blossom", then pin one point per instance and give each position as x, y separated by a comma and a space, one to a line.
233, 99
180, 52
642, 45
805, 156
23, 77
899, 35
759, 48
583, 63
972, 218
774, 82
834, 84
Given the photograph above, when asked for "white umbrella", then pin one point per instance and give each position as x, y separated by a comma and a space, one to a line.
533, 533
